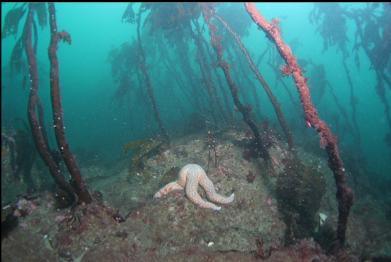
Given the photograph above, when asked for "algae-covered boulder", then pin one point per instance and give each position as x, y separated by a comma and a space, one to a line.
299, 191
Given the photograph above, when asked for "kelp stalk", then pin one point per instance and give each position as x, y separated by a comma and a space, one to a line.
244, 110
262, 81
148, 85
327, 139
33, 102
215, 106
69, 159
353, 103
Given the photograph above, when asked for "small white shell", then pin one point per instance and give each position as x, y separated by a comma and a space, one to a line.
322, 218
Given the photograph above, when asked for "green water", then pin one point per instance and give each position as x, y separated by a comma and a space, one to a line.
96, 123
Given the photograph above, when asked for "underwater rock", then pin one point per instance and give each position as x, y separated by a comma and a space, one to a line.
173, 229
8, 220
299, 191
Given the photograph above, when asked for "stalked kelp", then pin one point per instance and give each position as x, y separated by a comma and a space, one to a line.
206, 73
157, 22
320, 84
274, 61
262, 81
243, 109
28, 41
372, 40
373, 35
176, 34
195, 72
148, 85
240, 24
40, 138
327, 140
332, 26
180, 27
69, 159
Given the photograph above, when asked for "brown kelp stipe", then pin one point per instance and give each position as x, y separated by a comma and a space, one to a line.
243, 109
262, 81
33, 104
69, 159
327, 139
148, 83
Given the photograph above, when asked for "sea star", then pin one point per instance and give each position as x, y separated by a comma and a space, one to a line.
190, 176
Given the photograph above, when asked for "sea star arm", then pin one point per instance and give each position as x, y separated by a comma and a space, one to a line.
211, 193
192, 194
167, 189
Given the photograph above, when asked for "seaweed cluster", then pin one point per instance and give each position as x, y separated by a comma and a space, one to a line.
142, 149
372, 35
299, 191
13, 18
331, 25
124, 62
173, 20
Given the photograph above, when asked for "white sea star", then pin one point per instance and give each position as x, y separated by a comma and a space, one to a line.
190, 176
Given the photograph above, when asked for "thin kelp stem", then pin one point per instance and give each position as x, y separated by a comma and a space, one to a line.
69, 159
327, 138
353, 102
378, 56
228, 106
189, 76
148, 85
262, 81
249, 82
340, 108
215, 105
244, 110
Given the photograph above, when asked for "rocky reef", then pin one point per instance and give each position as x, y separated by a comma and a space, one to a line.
272, 204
